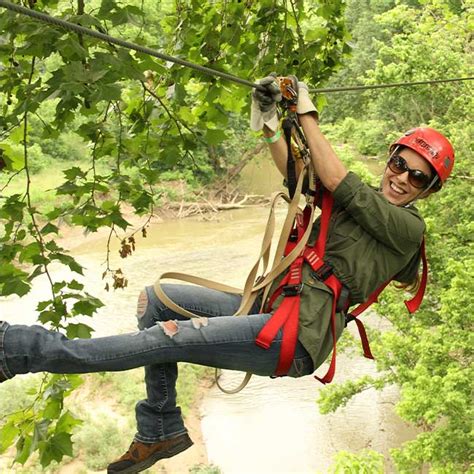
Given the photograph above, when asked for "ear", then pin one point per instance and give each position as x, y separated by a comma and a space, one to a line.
426, 194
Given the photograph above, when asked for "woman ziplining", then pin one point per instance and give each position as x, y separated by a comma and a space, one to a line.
373, 236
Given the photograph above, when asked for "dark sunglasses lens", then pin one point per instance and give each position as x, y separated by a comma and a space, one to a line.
418, 179
397, 164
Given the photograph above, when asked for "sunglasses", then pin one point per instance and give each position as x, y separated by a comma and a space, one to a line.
416, 178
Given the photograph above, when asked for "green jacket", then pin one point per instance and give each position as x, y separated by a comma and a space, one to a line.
369, 242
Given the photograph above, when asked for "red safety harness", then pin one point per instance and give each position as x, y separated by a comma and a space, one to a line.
286, 316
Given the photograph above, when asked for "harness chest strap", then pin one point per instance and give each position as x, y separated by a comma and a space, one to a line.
286, 316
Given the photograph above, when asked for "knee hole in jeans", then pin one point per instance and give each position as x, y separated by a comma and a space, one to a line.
142, 304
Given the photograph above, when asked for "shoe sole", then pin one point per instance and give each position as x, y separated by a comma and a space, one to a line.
185, 444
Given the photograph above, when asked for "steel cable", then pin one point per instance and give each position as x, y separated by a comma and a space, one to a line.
394, 84
125, 44
206, 70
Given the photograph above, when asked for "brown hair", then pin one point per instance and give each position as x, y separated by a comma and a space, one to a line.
411, 287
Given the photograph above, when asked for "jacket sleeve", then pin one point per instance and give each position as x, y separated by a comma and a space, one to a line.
399, 228
410, 271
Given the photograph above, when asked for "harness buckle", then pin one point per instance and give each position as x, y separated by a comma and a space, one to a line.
292, 290
348, 317
343, 302
293, 238
322, 273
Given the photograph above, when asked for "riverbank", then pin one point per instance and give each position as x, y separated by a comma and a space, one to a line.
104, 403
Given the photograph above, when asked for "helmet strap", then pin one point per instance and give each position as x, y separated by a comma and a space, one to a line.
425, 191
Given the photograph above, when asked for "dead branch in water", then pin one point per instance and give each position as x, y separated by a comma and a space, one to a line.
222, 186
221, 197
205, 207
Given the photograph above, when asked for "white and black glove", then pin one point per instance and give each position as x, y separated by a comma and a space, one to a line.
304, 105
264, 100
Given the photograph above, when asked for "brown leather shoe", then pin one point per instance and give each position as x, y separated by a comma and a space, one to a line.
141, 456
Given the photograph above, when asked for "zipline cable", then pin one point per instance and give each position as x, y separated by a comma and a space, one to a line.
125, 44
206, 70
394, 84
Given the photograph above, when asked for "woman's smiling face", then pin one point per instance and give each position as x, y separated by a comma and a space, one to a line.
397, 188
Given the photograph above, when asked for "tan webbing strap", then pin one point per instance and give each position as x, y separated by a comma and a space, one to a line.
232, 391
189, 279
253, 285
249, 296
264, 253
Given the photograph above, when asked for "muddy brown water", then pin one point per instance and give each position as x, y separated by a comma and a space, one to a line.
272, 426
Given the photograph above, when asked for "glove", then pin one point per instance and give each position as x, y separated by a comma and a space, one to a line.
264, 99
304, 105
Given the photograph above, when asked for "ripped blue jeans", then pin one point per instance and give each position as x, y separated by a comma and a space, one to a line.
165, 338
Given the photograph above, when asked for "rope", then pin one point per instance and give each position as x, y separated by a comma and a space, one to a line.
206, 70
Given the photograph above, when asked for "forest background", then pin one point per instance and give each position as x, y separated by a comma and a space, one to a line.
108, 128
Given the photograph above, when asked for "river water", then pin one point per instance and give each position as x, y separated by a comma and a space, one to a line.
272, 426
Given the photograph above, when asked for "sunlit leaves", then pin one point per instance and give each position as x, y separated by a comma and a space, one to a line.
12, 280
48, 430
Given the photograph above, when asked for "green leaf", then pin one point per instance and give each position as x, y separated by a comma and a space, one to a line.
68, 261
108, 92
215, 137
71, 49
13, 156
42, 305
81, 331
14, 287
40, 433
75, 285
8, 433
74, 172
56, 448
321, 102
85, 307
49, 316
109, 205
67, 422
30, 252
58, 286
23, 448
52, 409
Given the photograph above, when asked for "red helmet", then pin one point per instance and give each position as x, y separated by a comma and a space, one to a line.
433, 147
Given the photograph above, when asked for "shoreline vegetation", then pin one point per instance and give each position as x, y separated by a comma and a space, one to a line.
103, 403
